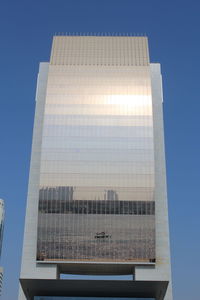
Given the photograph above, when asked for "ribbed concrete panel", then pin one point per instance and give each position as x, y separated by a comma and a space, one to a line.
100, 50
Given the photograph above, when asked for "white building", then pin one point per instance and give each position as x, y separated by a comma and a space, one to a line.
2, 212
97, 200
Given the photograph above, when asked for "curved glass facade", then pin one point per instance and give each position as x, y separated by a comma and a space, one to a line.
96, 198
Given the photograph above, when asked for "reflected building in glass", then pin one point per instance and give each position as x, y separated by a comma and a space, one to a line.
97, 193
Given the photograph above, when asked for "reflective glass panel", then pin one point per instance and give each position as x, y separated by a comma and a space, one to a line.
96, 198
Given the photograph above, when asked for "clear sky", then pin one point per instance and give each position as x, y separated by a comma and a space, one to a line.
173, 28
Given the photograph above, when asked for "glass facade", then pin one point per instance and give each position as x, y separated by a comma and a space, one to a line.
96, 197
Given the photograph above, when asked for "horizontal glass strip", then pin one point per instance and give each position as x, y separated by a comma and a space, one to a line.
98, 131
113, 207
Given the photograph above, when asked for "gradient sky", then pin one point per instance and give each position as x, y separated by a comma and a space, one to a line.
173, 28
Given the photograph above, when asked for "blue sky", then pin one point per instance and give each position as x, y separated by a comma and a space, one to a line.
173, 28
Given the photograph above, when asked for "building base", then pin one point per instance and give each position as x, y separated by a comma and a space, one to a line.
94, 288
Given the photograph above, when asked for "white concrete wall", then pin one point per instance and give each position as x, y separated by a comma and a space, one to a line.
162, 270
29, 267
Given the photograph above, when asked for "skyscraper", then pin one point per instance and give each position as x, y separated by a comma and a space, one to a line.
2, 212
97, 200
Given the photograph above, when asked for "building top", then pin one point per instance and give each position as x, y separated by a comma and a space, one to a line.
100, 50
1, 209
